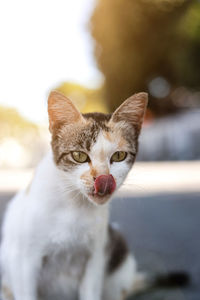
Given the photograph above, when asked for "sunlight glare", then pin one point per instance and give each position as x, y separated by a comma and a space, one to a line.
43, 43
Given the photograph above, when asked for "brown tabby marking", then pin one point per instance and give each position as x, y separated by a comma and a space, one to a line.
82, 135
78, 136
117, 249
112, 136
73, 131
107, 135
100, 119
93, 173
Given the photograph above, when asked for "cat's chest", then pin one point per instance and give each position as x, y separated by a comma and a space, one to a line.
75, 227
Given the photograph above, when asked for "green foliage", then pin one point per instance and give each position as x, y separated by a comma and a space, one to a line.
14, 125
138, 40
186, 58
85, 99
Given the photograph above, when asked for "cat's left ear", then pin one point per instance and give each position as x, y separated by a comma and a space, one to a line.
132, 110
61, 111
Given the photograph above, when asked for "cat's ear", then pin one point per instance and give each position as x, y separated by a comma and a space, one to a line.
61, 111
132, 110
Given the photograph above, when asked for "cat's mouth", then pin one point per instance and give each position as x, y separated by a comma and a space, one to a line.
104, 186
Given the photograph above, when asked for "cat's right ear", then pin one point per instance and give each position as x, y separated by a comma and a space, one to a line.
61, 111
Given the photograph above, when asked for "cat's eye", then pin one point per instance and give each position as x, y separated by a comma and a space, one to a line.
118, 156
80, 156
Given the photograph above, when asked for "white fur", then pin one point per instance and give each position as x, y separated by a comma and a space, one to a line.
55, 219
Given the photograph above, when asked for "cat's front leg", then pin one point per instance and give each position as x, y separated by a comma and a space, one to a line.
22, 270
92, 282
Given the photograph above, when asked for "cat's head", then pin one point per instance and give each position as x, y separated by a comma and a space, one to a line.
95, 151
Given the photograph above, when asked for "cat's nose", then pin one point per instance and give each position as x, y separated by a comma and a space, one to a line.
104, 185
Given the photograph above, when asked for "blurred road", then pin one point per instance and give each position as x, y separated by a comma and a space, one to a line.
144, 178
163, 232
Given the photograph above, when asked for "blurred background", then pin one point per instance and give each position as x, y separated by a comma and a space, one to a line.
98, 53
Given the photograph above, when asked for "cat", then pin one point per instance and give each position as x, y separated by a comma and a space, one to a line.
56, 238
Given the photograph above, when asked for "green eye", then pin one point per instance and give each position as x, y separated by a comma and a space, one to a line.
80, 157
118, 156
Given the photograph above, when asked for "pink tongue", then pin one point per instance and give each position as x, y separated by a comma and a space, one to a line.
104, 185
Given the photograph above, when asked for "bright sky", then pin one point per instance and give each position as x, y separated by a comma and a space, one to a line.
43, 43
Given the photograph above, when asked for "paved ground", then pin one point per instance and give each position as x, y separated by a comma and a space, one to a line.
163, 232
